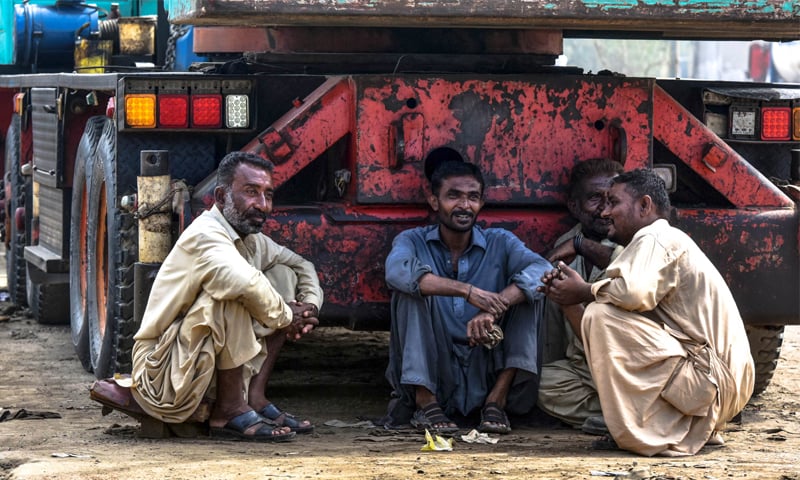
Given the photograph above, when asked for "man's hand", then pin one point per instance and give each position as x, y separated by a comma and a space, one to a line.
564, 251
565, 286
304, 319
479, 327
490, 302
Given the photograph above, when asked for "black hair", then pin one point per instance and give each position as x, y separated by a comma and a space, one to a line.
438, 156
641, 182
229, 162
449, 169
588, 169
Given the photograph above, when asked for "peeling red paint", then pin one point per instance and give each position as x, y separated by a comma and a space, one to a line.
526, 134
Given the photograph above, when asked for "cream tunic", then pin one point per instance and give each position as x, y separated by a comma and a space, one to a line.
663, 278
210, 308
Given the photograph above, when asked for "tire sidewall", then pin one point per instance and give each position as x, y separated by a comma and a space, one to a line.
15, 262
102, 339
78, 297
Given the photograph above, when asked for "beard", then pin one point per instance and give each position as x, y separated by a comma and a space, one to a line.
458, 221
244, 223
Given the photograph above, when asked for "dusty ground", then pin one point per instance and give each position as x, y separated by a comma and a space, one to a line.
337, 374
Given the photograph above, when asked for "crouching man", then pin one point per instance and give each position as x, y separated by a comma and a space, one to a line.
664, 340
222, 305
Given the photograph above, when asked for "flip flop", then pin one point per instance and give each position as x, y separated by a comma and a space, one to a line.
606, 442
285, 419
493, 414
595, 425
429, 416
237, 427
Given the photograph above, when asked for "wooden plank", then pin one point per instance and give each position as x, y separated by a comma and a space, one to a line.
739, 19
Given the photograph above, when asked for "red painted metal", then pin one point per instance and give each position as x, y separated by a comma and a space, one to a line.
305, 132
712, 158
756, 251
349, 243
526, 133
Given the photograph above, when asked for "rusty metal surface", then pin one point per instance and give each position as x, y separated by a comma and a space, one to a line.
526, 133
296, 40
308, 130
757, 253
741, 19
712, 158
137, 35
348, 244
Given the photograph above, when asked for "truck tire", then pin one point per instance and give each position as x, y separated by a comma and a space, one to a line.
16, 193
765, 346
78, 260
46, 302
111, 250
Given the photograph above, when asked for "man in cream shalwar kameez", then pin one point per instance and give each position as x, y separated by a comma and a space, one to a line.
664, 339
219, 296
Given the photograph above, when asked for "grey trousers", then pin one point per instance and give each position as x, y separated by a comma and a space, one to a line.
422, 352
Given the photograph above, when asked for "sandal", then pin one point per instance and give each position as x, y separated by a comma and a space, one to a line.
494, 420
426, 418
285, 419
605, 443
237, 427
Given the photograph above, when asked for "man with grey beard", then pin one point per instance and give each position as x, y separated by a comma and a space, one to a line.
223, 303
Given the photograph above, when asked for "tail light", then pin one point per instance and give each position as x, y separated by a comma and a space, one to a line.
776, 123
173, 110
796, 121
140, 110
206, 111
205, 103
237, 111
743, 121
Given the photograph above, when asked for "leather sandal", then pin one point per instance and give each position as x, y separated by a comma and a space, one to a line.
427, 417
285, 419
494, 420
237, 427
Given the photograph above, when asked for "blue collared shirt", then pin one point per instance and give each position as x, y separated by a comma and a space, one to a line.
494, 259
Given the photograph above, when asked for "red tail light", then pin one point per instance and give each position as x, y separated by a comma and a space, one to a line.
207, 111
173, 111
776, 123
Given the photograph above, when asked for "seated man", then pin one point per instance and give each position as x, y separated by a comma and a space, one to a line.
566, 390
664, 340
215, 322
452, 283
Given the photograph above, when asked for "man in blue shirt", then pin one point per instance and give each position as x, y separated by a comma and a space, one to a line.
452, 283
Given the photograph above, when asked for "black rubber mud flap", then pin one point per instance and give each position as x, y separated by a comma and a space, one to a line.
48, 302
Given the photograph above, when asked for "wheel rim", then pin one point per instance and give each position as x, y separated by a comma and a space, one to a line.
101, 262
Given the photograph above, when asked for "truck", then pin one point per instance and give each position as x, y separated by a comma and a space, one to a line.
110, 149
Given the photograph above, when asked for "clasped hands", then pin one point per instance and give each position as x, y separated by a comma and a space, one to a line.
304, 319
564, 285
492, 305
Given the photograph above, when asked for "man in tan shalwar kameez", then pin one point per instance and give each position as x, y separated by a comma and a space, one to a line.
663, 337
223, 303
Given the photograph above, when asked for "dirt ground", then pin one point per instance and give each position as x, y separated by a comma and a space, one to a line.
335, 374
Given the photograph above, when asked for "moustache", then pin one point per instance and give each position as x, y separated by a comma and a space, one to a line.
256, 214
